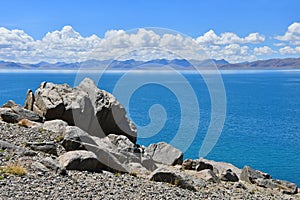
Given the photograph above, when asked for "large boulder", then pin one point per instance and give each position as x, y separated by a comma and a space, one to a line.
165, 154
93, 110
10, 117
26, 114
56, 126
80, 160
13, 113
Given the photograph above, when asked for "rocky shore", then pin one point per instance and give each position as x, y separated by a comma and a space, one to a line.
77, 143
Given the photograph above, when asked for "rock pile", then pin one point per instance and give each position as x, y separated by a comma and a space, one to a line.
62, 129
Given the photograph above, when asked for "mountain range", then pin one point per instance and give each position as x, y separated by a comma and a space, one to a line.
286, 63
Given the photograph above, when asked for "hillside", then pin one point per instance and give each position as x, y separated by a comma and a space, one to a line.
181, 64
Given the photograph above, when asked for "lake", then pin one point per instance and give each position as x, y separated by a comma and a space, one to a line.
262, 124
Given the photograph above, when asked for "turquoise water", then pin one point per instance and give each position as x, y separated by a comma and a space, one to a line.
262, 127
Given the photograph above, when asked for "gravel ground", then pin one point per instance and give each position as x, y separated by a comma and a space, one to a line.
86, 185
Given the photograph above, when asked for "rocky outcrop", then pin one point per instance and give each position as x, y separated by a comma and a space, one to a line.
265, 180
165, 154
91, 109
102, 141
115, 152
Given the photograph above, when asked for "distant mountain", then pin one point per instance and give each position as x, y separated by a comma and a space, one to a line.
181, 64
271, 63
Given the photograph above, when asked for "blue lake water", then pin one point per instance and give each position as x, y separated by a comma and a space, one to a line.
262, 126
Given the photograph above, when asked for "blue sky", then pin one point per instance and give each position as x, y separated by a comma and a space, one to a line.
194, 18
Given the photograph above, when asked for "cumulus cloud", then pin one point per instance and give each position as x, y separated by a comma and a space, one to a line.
292, 35
289, 50
68, 45
211, 37
265, 50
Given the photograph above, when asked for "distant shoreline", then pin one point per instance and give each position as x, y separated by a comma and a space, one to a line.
91, 70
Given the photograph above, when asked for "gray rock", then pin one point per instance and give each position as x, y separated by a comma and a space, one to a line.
221, 167
53, 165
46, 147
284, 186
29, 100
208, 175
137, 169
250, 175
9, 104
75, 139
26, 114
165, 153
265, 180
114, 151
174, 178
3, 110
148, 162
229, 176
80, 160
50, 163
16, 112
109, 155
17, 149
202, 166
108, 160
91, 109
10, 117
39, 167
56, 126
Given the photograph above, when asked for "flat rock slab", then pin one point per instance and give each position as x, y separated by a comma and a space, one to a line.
46, 147
80, 160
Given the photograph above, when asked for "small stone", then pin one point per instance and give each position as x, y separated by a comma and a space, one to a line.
229, 176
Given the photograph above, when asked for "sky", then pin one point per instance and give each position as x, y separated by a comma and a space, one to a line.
33, 31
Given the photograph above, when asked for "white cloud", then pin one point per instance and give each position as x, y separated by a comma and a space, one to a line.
67, 45
289, 50
281, 44
265, 50
292, 35
210, 37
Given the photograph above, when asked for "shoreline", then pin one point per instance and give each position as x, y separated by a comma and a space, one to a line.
117, 71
